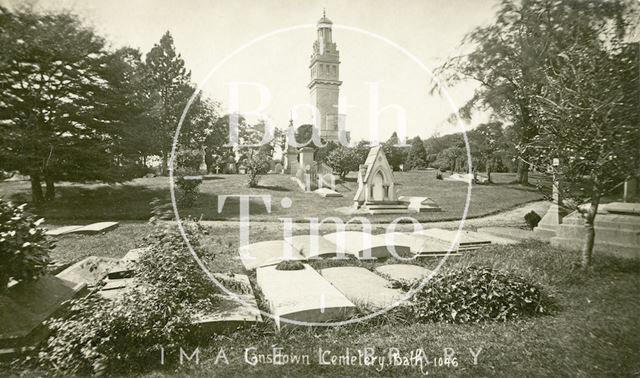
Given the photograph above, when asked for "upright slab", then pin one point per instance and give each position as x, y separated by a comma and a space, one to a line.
313, 246
265, 253
363, 287
403, 272
231, 311
302, 295
90, 270
62, 230
366, 246
95, 228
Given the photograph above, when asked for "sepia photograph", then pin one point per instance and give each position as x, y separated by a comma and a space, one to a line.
319, 188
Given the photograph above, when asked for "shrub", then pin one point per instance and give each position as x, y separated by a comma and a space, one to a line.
290, 265
256, 165
189, 190
188, 161
532, 218
126, 335
475, 294
24, 247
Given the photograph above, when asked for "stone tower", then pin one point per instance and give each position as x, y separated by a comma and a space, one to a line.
324, 87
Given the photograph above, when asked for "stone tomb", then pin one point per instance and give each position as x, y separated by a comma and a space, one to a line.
364, 245
421, 245
313, 246
270, 252
302, 295
403, 272
363, 287
508, 232
376, 192
62, 230
231, 311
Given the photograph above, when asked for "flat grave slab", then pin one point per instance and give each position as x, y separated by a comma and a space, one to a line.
466, 238
420, 204
326, 192
508, 232
630, 208
133, 255
24, 306
364, 245
420, 244
266, 253
231, 311
313, 246
403, 272
363, 287
95, 228
62, 230
302, 295
90, 271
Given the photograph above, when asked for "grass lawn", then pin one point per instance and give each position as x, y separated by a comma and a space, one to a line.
594, 333
131, 201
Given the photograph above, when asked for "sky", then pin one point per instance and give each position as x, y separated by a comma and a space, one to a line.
371, 35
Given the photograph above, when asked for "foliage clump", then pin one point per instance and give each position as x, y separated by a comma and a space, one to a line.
290, 265
127, 334
476, 294
24, 247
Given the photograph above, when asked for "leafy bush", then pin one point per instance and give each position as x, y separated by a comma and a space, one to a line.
475, 294
189, 190
256, 165
126, 335
188, 161
290, 265
24, 247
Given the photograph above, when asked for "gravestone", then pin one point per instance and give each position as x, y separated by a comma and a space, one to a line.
278, 168
302, 295
364, 245
230, 312
326, 192
421, 245
547, 226
26, 305
62, 230
465, 238
96, 228
363, 287
420, 204
313, 246
268, 253
403, 272
90, 271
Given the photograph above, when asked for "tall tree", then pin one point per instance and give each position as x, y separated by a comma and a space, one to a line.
589, 114
171, 88
486, 141
59, 118
508, 56
395, 155
417, 156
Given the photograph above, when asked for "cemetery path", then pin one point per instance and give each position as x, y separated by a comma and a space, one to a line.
508, 218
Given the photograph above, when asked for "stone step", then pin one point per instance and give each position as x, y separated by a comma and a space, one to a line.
615, 249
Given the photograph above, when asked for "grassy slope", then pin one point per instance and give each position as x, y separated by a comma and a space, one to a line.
595, 332
130, 201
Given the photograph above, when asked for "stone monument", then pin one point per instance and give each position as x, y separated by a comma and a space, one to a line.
376, 191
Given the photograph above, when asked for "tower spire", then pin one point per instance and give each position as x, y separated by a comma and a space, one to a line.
324, 13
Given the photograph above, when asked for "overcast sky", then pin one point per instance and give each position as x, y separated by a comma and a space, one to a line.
207, 32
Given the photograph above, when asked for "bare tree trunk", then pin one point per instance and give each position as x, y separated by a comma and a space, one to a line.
51, 189
489, 173
36, 188
589, 225
165, 164
523, 173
